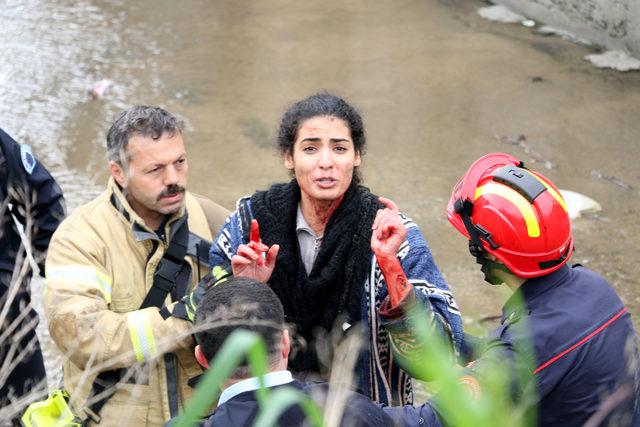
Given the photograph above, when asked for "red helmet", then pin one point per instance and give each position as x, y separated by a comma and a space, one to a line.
513, 213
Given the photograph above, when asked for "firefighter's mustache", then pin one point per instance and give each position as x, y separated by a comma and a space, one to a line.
171, 190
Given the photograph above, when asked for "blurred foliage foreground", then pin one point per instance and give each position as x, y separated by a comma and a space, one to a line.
455, 403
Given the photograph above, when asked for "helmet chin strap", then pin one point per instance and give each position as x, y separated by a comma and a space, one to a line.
489, 267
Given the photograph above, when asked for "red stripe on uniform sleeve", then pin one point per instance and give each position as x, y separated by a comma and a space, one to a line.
582, 341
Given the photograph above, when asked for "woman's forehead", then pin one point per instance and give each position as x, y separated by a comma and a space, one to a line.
324, 126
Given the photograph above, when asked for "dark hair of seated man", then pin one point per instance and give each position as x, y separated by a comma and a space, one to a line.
240, 303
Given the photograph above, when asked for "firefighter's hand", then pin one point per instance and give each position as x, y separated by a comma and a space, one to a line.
386, 238
186, 307
255, 259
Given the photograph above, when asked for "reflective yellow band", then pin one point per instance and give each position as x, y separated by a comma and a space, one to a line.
530, 219
141, 332
190, 307
81, 275
553, 192
220, 274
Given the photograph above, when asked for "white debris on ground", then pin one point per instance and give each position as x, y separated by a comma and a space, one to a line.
551, 31
98, 89
500, 14
616, 59
578, 203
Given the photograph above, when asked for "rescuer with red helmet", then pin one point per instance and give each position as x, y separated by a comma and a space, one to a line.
578, 337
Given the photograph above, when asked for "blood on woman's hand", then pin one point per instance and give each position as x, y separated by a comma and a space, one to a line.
398, 285
255, 243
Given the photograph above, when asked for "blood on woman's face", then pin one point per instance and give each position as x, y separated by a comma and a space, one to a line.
323, 158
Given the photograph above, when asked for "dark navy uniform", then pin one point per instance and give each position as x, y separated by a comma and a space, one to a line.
575, 335
243, 408
27, 190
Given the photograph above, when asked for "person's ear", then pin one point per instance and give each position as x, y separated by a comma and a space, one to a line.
200, 357
288, 160
285, 344
118, 173
358, 159
492, 257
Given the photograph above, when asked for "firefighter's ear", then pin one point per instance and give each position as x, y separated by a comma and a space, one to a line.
285, 344
118, 173
200, 357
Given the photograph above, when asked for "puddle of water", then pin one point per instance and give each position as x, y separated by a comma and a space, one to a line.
435, 83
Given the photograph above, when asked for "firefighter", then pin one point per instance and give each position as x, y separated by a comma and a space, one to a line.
117, 270
31, 208
564, 326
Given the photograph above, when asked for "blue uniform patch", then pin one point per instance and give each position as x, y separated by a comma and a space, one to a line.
28, 160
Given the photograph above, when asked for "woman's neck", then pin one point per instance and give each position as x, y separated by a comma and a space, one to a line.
318, 212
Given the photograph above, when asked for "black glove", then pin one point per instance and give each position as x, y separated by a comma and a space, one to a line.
186, 307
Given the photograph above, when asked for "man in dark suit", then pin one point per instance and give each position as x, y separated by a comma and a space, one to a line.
248, 304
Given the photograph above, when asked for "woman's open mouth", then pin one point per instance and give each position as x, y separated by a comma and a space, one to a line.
326, 182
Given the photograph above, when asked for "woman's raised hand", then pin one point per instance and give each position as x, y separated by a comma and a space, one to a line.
255, 259
388, 231
387, 237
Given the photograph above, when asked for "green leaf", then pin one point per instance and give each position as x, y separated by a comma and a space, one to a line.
281, 399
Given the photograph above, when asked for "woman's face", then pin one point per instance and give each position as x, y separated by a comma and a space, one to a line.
323, 158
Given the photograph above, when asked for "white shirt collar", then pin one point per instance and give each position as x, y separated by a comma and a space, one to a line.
271, 379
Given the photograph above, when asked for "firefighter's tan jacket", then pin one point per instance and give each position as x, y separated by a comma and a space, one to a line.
99, 268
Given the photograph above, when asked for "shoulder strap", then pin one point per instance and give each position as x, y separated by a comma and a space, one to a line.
170, 274
198, 249
164, 279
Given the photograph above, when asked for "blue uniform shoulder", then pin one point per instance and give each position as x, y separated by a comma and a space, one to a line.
564, 309
19, 158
